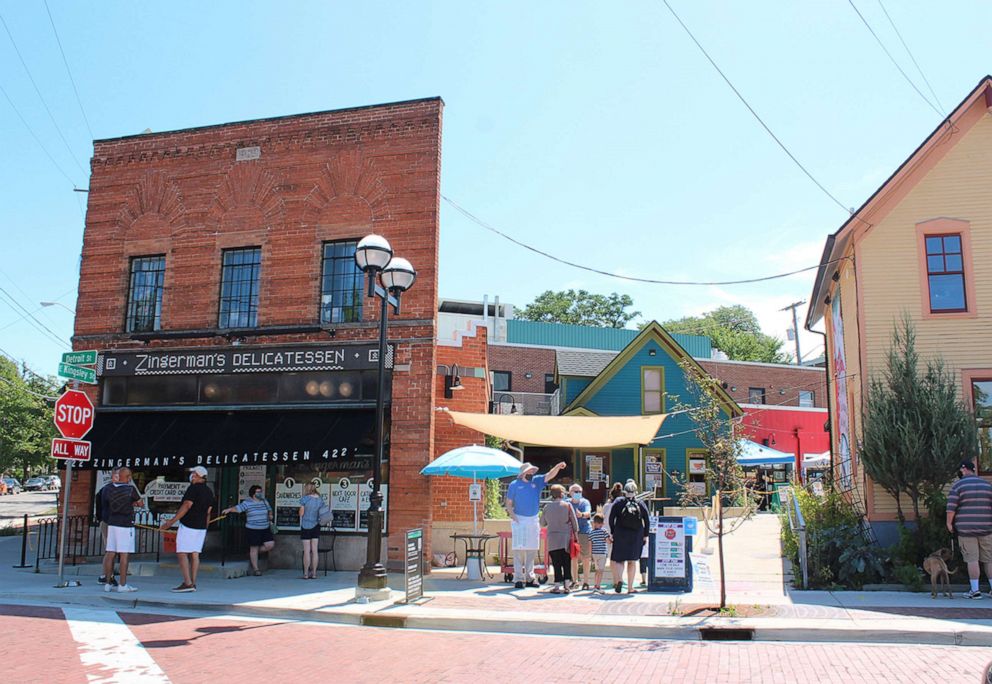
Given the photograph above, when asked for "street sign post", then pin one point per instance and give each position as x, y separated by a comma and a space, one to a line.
80, 358
73, 372
73, 418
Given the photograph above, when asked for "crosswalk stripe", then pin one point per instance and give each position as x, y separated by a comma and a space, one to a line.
108, 649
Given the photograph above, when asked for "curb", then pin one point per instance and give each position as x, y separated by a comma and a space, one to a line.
781, 630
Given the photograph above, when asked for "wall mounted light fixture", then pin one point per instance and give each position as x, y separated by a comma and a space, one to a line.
452, 380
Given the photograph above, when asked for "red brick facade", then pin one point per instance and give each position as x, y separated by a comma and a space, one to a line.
317, 177
781, 383
450, 494
537, 361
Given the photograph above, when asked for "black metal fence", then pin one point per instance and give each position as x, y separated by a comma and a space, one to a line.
84, 541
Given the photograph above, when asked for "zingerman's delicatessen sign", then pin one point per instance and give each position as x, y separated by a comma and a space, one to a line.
303, 413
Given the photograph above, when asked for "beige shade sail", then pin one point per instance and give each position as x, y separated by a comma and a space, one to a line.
565, 431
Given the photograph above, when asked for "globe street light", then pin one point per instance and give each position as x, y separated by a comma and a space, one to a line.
375, 257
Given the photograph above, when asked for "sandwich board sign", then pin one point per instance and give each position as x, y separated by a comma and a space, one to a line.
669, 568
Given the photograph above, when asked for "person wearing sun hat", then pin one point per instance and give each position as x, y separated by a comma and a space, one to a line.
193, 517
969, 514
523, 503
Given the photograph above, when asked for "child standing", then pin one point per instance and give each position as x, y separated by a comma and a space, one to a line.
597, 543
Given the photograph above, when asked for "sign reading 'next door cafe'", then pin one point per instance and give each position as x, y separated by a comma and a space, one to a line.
339, 357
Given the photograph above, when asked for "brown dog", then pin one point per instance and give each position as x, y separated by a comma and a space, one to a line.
935, 565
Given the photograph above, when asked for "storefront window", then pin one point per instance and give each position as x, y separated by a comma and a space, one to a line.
344, 486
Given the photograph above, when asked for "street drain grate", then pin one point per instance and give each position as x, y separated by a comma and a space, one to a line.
726, 634
373, 620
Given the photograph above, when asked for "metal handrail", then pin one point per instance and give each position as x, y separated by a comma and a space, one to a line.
797, 523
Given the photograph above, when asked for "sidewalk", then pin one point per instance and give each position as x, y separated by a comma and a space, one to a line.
459, 605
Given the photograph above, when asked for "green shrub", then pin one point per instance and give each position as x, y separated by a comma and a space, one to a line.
909, 576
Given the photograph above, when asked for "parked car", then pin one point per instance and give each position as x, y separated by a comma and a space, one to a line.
37, 484
13, 486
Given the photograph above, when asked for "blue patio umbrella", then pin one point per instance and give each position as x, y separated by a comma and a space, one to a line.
476, 462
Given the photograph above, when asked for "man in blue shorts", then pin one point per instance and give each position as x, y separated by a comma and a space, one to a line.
523, 503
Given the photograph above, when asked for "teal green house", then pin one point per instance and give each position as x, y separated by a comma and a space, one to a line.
645, 377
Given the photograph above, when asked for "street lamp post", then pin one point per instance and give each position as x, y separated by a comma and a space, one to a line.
375, 257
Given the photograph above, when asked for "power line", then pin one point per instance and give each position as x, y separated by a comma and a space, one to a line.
652, 281
893, 59
13, 301
40, 96
35, 136
910, 53
69, 71
753, 112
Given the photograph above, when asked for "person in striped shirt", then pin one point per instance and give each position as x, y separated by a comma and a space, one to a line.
597, 543
969, 514
258, 524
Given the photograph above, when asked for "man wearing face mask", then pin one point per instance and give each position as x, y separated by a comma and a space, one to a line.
193, 517
523, 503
258, 524
583, 512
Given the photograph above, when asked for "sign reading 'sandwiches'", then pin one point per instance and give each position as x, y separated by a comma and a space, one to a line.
270, 359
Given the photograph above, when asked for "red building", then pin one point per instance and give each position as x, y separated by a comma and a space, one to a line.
218, 284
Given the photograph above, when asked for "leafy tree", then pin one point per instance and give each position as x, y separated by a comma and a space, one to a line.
916, 428
26, 427
735, 331
580, 307
722, 438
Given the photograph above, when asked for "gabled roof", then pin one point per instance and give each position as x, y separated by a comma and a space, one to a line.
582, 363
909, 173
652, 331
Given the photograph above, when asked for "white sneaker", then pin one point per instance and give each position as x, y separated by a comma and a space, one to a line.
108, 587
124, 588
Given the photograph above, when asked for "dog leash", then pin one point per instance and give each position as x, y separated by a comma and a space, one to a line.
170, 531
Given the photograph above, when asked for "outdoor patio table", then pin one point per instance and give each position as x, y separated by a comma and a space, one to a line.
475, 548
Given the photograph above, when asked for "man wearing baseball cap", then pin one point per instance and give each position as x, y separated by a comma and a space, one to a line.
193, 517
969, 513
523, 503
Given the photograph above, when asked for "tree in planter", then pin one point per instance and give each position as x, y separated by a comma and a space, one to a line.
916, 428
721, 436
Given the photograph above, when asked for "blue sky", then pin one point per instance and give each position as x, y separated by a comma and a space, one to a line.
596, 131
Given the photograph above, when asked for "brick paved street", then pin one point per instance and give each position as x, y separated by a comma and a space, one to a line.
40, 646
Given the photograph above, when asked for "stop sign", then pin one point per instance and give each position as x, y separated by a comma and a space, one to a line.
74, 414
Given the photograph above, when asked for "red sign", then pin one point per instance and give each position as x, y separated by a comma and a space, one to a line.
74, 414
71, 448
669, 533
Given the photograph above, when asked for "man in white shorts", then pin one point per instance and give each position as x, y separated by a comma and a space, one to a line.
523, 503
193, 517
117, 502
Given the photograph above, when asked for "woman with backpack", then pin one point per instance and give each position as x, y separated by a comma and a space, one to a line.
629, 526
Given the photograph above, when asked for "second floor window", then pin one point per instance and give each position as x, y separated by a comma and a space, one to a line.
502, 381
239, 287
652, 390
144, 294
756, 395
341, 284
549, 383
806, 398
945, 273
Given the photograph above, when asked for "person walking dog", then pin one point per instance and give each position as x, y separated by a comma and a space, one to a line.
193, 517
969, 514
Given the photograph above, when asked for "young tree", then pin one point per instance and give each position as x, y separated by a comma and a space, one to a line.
579, 307
26, 427
721, 435
735, 331
916, 428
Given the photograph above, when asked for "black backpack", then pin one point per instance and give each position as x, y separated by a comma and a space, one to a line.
630, 515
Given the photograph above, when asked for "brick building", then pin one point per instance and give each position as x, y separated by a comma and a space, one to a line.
218, 283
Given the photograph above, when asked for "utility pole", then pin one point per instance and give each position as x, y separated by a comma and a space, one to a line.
795, 327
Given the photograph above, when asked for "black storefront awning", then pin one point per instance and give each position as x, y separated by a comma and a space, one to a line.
183, 439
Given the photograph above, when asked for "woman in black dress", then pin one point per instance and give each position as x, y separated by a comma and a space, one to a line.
628, 531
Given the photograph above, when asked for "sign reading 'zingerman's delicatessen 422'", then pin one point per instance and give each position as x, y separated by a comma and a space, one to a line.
242, 360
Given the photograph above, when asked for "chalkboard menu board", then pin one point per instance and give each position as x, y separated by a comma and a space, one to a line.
669, 569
